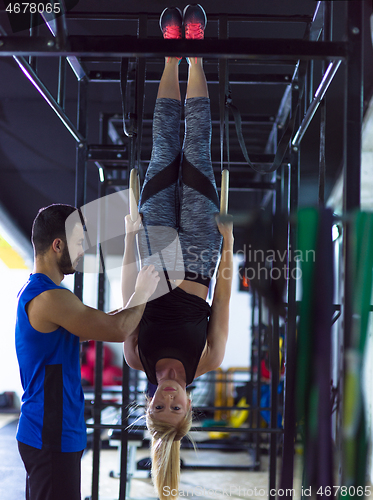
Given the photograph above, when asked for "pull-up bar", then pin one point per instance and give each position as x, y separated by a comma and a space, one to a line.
130, 46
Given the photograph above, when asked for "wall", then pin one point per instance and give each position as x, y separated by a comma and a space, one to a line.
11, 282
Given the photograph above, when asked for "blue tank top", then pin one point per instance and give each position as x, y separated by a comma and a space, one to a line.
52, 408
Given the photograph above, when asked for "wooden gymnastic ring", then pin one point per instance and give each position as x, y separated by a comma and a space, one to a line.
134, 194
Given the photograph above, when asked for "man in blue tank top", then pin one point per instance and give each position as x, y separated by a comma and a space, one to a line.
51, 321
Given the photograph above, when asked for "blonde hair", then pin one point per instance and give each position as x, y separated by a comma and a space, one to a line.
165, 453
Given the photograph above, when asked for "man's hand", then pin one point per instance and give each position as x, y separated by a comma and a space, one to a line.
146, 282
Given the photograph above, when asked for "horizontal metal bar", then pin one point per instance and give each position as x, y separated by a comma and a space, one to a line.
240, 184
245, 186
129, 46
100, 152
320, 92
121, 162
250, 186
113, 77
242, 169
246, 120
107, 153
233, 446
259, 158
219, 467
246, 430
196, 409
121, 16
239, 62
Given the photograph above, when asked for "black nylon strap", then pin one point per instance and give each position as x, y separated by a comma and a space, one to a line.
195, 179
224, 112
227, 129
287, 135
163, 179
133, 107
140, 96
123, 90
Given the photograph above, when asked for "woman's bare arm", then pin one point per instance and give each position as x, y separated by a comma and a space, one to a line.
130, 259
223, 287
217, 334
131, 352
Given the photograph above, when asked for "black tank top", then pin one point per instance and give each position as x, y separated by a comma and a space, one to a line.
173, 326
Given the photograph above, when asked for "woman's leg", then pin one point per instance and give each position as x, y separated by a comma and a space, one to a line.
159, 203
158, 196
199, 235
197, 85
169, 85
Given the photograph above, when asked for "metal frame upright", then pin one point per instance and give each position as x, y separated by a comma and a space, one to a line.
352, 176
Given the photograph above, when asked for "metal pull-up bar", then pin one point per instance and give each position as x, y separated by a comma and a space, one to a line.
129, 46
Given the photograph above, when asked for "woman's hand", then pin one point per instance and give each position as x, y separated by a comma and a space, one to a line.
130, 258
147, 282
226, 227
131, 226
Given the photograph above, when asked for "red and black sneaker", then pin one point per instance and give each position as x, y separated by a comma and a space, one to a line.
171, 22
195, 21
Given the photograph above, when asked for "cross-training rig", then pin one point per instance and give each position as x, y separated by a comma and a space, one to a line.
272, 171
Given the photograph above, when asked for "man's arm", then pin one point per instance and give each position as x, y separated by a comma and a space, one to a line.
55, 308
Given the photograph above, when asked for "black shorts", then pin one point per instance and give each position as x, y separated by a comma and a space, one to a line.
51, 475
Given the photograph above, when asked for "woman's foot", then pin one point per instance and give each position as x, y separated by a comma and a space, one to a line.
195, 20
171, 22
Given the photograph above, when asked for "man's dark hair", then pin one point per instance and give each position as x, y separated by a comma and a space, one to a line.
48, 225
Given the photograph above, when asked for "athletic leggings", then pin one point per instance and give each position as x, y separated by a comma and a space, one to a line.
179, 193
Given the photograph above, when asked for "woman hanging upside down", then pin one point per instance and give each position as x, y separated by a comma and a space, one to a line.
180, 336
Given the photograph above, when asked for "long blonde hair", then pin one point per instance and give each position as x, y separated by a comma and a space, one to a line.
165, 453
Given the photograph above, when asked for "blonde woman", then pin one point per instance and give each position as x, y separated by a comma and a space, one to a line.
180, 336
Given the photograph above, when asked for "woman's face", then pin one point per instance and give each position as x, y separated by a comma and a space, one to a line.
170, 402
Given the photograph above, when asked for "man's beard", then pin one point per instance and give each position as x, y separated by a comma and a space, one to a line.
65, 264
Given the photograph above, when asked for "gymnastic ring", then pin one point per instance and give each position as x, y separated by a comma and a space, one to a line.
134, 194
224, 192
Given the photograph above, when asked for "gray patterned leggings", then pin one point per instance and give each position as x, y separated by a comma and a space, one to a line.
179, 191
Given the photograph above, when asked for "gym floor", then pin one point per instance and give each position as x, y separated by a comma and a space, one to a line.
198, 484
215, 484
209, 485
